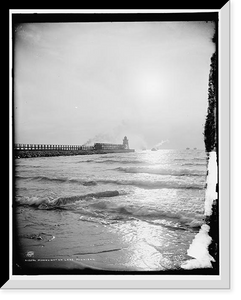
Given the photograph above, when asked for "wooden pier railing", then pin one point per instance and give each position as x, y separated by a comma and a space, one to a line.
39, 147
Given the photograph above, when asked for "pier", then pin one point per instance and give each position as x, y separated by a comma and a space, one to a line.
39, 147
45, 150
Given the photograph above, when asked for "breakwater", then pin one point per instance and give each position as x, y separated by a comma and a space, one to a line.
47, 150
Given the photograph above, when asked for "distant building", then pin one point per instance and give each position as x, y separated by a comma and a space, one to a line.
125, 143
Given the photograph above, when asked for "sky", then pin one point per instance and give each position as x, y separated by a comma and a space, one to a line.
80, 83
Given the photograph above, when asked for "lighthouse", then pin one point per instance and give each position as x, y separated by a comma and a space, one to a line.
125, 143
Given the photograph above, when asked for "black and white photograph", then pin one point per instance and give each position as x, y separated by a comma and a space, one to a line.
115, 144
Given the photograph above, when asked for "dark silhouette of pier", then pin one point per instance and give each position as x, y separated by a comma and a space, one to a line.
39, 147
39, 150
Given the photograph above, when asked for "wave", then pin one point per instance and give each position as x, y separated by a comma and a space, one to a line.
42, 178
194, 164
200, 158
145, 184
167, 219
43, 203
113, 161
191, 159
100, 208
86, 161
161, 171
114, 213
148, 184
58, 179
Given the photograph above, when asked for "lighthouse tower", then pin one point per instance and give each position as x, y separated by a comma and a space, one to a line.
125, 143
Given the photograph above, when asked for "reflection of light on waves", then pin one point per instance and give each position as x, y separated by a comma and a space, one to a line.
158, 157
145, 257
144, 241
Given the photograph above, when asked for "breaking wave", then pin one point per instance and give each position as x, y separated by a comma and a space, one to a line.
145, 184
111, 212
161, 171
150, 184
99, 208
45, 203
58, 179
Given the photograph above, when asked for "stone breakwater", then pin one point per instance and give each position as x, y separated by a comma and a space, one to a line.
48, 153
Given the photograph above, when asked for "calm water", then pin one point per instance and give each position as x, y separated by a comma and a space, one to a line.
126, 211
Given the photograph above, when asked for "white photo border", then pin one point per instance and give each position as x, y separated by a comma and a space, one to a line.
221, 281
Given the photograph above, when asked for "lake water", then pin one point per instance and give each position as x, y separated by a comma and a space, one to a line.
122, 211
